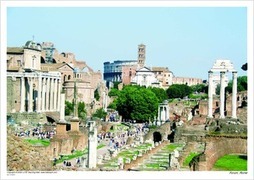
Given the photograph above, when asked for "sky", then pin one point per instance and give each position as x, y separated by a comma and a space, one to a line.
187, 40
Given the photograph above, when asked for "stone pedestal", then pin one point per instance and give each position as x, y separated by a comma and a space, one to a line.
92, 144
74, 124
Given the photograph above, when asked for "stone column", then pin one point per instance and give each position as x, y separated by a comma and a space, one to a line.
30, 104
234, 93
62, 107
210, 94
39, 95
43, 95
159, 113
92, 145
47, 93
55, 94
59, 93
51, 102
222, 94
166, 113
22, 94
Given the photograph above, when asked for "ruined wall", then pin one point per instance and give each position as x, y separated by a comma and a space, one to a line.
13, 98
217, 147
80, 141
164, 130
25, 118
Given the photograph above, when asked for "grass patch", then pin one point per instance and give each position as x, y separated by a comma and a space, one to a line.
189, 158
71, 156
231, 163
76, 154
172, 147
153, 127
100, 146
38, 142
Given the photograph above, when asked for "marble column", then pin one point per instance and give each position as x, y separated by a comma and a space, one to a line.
222, 95
210, 94
159, 113
30, 104
22, 94
92, 145
59, 93
55, 94
62, 107
43, 94
38, 108
234, 94
51, 102
47, 93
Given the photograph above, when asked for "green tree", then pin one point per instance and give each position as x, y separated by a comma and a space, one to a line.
178, 91
242, 84
113, 92
160, 93
81, 110
100, 113
137, 103
96, 94
69, 109
112, 105
199, 88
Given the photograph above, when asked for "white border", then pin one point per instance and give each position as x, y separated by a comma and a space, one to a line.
119, 174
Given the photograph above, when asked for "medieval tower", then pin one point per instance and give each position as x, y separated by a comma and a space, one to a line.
141, 55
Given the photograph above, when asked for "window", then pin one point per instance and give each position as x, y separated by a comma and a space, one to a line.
69, 77
19, 63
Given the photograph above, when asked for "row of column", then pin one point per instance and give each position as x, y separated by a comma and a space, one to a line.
222, 94
47, 97
163, 112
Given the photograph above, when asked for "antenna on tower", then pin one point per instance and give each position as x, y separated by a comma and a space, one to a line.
33, 37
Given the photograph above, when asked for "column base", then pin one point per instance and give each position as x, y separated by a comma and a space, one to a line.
234, 117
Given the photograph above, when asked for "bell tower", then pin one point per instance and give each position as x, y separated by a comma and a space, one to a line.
141, 55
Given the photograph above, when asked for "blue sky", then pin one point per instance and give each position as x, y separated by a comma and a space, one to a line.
186, 40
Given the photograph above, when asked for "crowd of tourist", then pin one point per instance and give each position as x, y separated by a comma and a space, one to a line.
36, 133
118, 140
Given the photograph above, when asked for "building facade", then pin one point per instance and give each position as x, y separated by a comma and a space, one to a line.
145, 77
29, 89
186, 80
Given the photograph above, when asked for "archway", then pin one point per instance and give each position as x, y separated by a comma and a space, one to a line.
171, 136
50, 120
157, 137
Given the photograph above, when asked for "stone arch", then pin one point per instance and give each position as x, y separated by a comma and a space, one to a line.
50, 119
157, 137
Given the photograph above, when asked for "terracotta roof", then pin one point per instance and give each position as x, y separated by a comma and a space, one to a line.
16, 50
